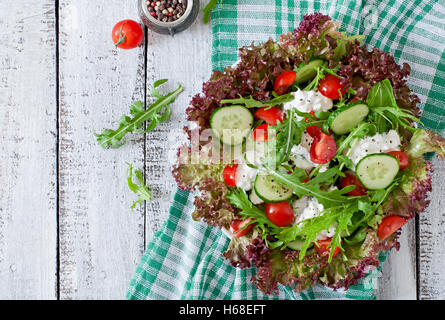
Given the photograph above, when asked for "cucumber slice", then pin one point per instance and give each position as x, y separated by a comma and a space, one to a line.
269, 190
377, 171
231, 124
348, 117
308, 71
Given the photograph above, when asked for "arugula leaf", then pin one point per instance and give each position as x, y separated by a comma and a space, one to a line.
240, 200
156, 113
312, 188
381, 95
250, 102
140, 189
208, 10
385, 112
340, 215
287, 134
363, 129
321, 72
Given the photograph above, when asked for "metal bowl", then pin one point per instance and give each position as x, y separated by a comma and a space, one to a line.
173, 27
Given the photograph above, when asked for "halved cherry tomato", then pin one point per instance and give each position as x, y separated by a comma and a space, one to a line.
352, 180
237, 227
402, 157
323, 149
322, 247
313, 131
271, 115
331, 87
127, 34
389, 225
229, 174
284, 81
280, 214
260, 132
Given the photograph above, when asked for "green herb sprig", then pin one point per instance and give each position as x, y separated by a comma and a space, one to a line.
156, 113
140, 189
385, 112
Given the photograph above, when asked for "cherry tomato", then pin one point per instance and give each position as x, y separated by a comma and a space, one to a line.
237, 227
330, 87
402, 157
270, 115
260, 133
229, 174
352, 180
314, 131
323, 149
280, 214
389, 225
284, 81
127, 34
323, 249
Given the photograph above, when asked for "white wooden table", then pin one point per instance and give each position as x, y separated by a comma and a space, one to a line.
66, 228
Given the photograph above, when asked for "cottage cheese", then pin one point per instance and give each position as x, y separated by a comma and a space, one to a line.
379, 143
245, 176
307, 101
300, 157
299, 154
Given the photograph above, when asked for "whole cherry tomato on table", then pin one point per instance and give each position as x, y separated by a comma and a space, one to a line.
402, 157
331, 87
352, 180
389, 225
322, 248
229, 174
272, 115
127, 34
283, 82
280, 214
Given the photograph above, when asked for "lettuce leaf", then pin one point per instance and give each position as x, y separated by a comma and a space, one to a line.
212, 205
362, 68
315, 37
284, 267
410, 197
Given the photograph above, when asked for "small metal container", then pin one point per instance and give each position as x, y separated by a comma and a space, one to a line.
173, 27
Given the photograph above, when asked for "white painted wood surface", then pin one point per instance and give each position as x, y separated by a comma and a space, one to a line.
101, 240
66, 230
28, 144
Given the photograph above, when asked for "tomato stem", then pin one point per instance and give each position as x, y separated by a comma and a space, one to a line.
122, 37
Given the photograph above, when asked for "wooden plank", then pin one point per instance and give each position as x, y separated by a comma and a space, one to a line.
398, 280
101, 239
28, 131
431, 237
183, 58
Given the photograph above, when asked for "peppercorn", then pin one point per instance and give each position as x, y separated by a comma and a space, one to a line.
167, 10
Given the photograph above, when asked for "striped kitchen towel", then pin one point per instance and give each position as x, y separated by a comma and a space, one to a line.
184, 261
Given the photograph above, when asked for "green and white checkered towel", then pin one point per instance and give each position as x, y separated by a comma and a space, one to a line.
184, 259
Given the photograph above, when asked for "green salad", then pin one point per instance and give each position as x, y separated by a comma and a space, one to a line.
316, 157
